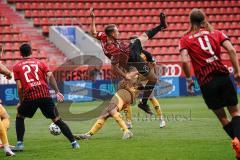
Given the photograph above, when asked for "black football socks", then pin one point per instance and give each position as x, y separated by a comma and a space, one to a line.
20, 128
229, 129
65, 130
236, 126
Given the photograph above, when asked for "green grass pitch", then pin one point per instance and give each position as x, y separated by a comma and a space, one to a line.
192, 133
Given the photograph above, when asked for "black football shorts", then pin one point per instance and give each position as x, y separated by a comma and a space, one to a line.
219, 93
135, 58
46, 105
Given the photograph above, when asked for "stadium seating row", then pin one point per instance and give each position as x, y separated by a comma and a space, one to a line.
77, 11
16, 54
13, 38
9, 30
134, 16
14, 31
132, 27
10, 62
4, 22
14, 46
65, 4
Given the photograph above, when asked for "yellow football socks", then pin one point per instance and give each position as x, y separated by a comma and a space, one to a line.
156, 106
3, 134
97, 126
6, 123
128, 113
120, 121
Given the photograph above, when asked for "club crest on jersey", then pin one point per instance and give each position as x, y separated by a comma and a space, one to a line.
146, 68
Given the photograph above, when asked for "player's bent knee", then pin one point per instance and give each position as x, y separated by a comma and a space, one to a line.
143, 38
234, 114
224, 121
234, 111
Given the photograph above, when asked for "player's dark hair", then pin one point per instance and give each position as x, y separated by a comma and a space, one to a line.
109, 29
198, 20
25, 50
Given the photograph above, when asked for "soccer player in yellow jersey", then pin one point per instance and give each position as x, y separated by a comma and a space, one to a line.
125, 95
4, 118
128, 110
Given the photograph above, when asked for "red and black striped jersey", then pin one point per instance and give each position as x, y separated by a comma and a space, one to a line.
204, 49
32, 75
117, 51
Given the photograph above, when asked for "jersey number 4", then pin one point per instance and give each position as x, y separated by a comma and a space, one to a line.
208, 48
203, 47
29, 70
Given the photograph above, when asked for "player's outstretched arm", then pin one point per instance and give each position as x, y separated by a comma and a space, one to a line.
185, 63
53, 84
186, 70
5, 71
93, 25
20, 90
233, 57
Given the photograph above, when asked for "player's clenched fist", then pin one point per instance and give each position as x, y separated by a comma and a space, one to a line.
60, 97
92, 13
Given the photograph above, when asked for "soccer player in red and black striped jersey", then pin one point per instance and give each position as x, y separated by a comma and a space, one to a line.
31, 78
203, 45
123, 55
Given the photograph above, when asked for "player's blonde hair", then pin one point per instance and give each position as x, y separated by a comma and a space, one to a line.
198, 20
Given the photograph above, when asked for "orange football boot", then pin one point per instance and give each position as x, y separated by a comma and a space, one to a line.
236, 147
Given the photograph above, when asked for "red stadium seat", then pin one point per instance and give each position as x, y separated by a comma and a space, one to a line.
45, 29
234, 40
24, 37
8, 38
74, 13
9, 30
37, 21
15, 30
167, 58
175, 58
28, 13
50, 13
172, 50
8, 46
44, 21
34, 6
164, 50
237, 47
17, 54
15, 46
157, 50
8, 55
35, 54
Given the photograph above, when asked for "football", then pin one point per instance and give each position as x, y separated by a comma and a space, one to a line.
54, 129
